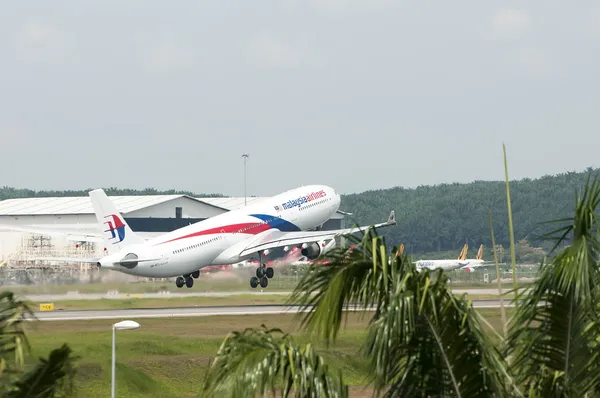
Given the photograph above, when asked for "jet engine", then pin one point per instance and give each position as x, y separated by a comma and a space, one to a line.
317, 249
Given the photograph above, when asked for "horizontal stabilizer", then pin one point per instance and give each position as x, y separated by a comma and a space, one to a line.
135, 261
67, 259
70, 234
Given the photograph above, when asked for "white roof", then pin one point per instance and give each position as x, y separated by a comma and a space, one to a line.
231, 203
125, 204
77, 205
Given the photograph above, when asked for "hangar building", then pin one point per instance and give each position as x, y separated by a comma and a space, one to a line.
149, 216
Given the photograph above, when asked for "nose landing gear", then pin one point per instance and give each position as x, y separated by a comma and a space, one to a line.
263, 274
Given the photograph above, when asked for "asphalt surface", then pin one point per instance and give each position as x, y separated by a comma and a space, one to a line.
116, 295
74, 315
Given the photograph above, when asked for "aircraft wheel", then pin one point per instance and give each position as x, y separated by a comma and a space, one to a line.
264, 282
253, 282
259, 272
196, 274
180, 281
270, 272
189, 282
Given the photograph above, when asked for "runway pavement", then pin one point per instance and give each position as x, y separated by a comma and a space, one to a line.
116, 295
74, 315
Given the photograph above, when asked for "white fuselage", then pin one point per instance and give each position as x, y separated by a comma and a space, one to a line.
219, 239
448, 265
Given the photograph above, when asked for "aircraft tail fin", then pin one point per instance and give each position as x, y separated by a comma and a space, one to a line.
463, 253
115, 231
480, 253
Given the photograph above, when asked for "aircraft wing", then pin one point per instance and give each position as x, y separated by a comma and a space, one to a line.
278, 239
73, 234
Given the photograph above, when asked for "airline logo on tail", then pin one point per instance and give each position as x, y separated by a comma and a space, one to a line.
116, 225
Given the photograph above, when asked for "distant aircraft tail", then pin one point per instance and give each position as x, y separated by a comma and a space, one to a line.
480, 253
463, 253
116, 233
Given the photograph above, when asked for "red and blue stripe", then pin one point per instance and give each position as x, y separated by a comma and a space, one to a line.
250, 228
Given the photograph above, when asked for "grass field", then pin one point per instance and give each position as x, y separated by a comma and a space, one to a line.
239, 282
168, 358
241, 299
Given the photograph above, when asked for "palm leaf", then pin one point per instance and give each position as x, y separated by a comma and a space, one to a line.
360, 276
52, 377
13, 340
258, 361
427, 342
510, 227
554, 333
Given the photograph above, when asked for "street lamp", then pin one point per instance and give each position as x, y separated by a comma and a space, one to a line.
123, 325
245, 156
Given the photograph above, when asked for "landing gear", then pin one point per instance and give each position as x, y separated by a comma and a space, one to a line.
254, 281
263, 274
196, 274
187, 280
270, 272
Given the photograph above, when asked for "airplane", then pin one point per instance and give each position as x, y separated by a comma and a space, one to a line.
282, 220
460, 263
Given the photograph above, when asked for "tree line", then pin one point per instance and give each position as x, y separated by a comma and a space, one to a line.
438, 218
16, 193
446, 216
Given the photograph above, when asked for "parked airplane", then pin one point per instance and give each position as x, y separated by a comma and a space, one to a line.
460, 263
232, 237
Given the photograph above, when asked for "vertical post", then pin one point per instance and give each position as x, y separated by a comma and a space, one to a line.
245, 156
113, 361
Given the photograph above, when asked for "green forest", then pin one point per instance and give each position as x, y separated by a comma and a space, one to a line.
441, 218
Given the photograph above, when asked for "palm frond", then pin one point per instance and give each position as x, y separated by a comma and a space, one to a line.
13, 340
511, 233
52, 377
360, 276
258, 361
553, 337
427, 342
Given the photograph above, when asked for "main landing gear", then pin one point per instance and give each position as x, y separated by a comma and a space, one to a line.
263, 274
187, 279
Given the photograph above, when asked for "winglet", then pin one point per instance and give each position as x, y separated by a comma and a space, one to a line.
392, 218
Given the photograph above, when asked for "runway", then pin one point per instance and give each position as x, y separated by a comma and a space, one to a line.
78, 315
116, 295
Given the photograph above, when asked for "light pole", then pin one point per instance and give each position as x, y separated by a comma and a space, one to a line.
123, 325
245, 156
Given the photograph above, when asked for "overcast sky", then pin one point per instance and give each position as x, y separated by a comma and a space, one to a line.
356, 94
